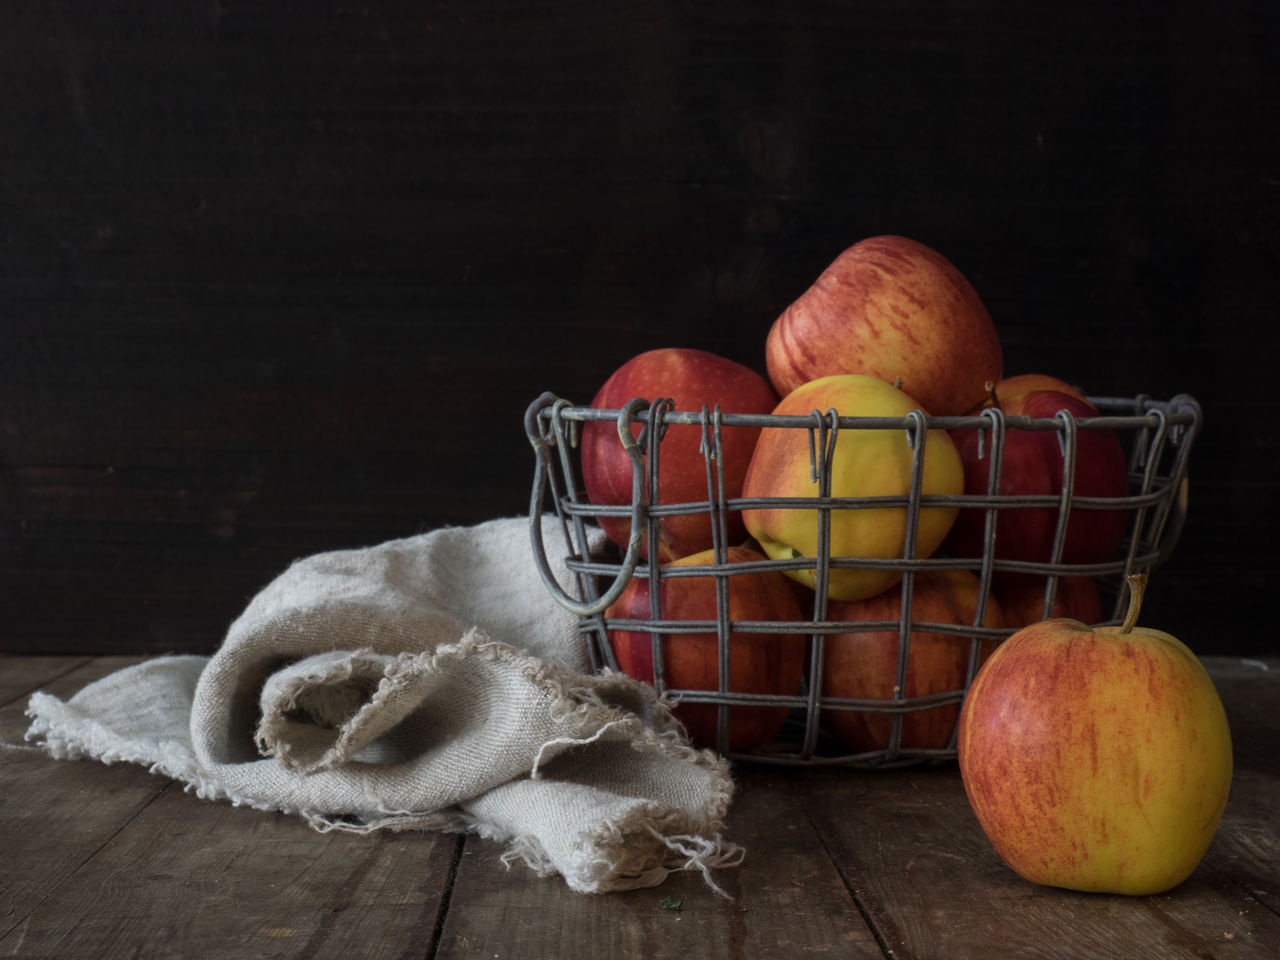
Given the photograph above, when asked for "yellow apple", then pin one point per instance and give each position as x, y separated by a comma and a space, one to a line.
1096, 759
867, 462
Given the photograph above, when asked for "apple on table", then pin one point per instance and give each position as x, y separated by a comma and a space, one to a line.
864, 664
1096, 759
866, 462
770, 663
692, 379
893, 308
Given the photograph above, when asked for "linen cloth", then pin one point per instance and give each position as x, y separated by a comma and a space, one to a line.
429, 682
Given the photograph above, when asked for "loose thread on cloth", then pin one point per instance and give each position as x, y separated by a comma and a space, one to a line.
704, 855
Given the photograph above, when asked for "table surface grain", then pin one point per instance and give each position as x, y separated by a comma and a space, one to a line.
112, 861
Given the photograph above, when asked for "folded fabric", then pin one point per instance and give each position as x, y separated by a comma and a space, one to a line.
426, 683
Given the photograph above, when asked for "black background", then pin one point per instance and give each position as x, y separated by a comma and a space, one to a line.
282, 277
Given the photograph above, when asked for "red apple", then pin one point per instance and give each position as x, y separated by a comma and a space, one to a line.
1022, 601
692, 379
1019, 385
865, 664
758, 663
1033, 465
1096, 759
892, 308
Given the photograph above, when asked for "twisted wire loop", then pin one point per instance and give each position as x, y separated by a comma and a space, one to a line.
915, 426
652, 432
1185, 417
995, 463
1068, 443
711, 446
1146, 550
543, 441
824, 430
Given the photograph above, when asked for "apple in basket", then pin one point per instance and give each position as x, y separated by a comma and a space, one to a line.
1033, 464
758, 662
864, 664
866, 462
1096, 759
1020, 384
1022, 601
890, 307
692, 379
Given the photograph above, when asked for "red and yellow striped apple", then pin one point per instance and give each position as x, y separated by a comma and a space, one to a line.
692, 379
893, 308
867, 462
864, 664
758, 662
1096, 759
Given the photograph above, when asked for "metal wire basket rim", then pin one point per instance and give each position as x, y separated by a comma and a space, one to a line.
1180, 411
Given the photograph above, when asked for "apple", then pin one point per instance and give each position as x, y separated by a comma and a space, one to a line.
864, 664
867, 462
1022, 601
1096, 759
758, 662
1033, 465
692, 379
893, 308
1019, 385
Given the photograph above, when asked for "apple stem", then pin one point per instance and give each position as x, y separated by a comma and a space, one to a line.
1137, 587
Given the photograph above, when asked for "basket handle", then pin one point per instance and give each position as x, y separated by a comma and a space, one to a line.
542, 442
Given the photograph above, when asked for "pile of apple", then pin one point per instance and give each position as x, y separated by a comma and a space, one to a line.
1095, 757
889, 327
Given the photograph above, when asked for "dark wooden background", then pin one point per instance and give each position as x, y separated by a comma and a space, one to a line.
280, 277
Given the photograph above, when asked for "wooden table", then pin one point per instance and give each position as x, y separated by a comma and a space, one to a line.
111, 861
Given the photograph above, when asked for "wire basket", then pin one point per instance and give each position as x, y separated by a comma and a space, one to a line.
1156, 436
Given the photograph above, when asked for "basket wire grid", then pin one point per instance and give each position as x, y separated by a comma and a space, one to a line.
1159, 438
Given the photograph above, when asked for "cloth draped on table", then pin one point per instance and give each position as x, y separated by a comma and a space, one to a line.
430, 683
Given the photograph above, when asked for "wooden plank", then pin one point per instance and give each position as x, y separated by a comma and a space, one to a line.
188, 878
109, 860
788, 899
55, 815
1247, 847
934, 887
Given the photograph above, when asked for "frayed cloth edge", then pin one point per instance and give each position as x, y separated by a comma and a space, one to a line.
632, 855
